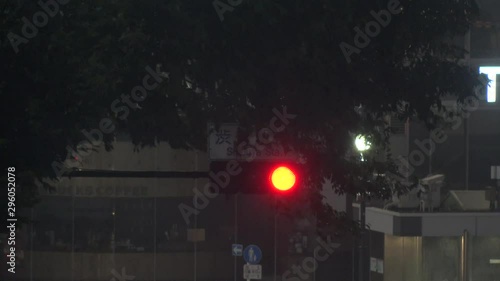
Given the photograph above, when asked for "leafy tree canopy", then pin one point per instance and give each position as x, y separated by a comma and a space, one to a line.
231, 61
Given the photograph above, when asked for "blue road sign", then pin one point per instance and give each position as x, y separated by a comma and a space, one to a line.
252, 254
237, 250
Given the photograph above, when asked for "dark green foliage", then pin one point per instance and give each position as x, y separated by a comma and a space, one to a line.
265, 53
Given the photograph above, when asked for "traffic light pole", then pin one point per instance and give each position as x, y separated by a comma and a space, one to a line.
235, 232
275, 232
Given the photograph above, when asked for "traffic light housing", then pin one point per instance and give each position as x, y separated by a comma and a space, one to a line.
255, 177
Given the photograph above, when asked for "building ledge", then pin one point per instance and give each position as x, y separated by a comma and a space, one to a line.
431, 224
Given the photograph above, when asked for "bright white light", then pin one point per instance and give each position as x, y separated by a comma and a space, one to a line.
361, 143
494, 261
492, 72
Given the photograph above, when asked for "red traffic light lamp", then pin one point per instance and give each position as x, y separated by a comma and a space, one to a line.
283, 178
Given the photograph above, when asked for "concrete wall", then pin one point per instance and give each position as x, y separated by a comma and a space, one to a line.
159, 158
99, 266
431, 224
482, 250
402, 258
441, 258
438, 258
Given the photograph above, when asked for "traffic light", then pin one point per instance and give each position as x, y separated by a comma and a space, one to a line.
256, 177
283, 178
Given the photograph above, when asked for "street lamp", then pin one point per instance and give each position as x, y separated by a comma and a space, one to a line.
362, 145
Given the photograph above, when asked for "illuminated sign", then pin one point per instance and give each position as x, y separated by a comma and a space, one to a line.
492, 72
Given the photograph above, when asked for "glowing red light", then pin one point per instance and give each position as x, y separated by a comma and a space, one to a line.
283, 178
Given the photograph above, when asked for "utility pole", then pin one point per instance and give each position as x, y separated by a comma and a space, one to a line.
362, 145
362, 213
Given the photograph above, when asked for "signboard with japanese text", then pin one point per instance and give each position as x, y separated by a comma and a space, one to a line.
223, 144
222, 141
252, 271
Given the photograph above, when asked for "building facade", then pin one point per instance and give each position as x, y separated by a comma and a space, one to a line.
140, 215
459, 238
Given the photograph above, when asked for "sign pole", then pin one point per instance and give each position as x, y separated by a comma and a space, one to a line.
248, 279
235, 231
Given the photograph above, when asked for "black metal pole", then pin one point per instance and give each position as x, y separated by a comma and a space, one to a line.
77, 173
497, 194
466, 136
362, 211
493, 198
